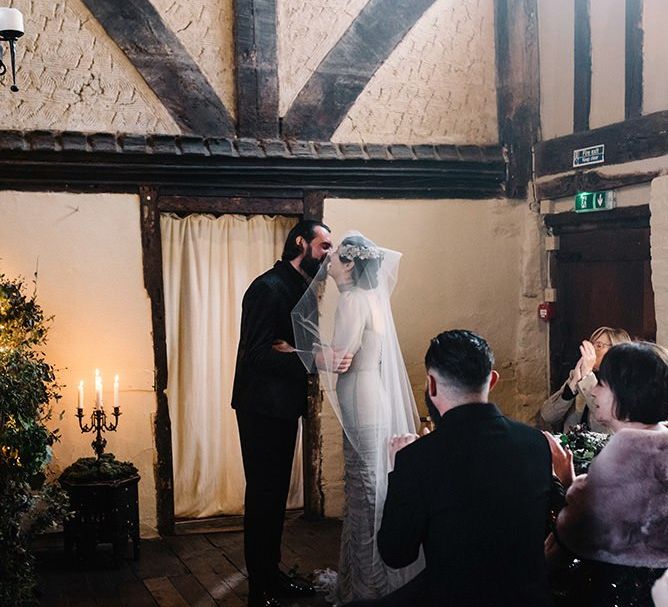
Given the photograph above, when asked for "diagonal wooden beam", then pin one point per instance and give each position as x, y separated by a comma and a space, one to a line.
330, 92
257, 68
164, 63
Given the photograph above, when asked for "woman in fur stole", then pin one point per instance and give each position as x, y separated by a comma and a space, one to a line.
615, 521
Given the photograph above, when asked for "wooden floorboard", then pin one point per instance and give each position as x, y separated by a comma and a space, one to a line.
202, 570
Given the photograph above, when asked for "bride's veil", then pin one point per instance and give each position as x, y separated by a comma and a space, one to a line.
373, 400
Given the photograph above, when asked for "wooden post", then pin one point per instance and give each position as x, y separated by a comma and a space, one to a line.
517, 73
314, 499
152, 261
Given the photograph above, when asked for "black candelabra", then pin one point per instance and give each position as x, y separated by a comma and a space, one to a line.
98, 424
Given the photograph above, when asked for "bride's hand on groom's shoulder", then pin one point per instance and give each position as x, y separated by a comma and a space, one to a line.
398, 442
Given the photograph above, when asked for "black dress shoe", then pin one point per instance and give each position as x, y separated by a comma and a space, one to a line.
291, 585
263, 599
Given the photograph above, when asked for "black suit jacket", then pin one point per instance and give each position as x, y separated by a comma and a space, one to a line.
474, 493
268, 382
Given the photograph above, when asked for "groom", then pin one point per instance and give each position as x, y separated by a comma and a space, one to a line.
269, 396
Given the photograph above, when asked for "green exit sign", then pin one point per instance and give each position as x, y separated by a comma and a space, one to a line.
586, 202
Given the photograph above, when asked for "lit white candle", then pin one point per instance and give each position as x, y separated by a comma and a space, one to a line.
81, 395
98, 389
116, 390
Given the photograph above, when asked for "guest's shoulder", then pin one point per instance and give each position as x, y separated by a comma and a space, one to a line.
528, 434
630, 446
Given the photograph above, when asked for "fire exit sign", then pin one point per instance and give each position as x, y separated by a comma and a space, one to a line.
586, 202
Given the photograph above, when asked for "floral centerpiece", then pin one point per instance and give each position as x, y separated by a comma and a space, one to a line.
584, 444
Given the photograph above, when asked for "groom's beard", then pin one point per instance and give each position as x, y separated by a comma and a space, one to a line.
431, 408
309, 264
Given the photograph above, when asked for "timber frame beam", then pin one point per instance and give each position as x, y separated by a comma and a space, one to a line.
39, 160
639, 138
517, 80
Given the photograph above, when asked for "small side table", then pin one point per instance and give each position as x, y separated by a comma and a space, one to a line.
104, 512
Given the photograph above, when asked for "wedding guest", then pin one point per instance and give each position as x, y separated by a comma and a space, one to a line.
616, 516
269, 396
473, 493
571, 404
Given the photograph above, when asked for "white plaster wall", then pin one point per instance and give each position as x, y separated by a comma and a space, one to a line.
659, 251
306, 31
87, 249
437, 86
608, 18
655, 74
206, 30
72, 76
466, 264
555, 31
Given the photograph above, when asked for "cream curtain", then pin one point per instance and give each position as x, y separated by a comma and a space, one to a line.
208, 262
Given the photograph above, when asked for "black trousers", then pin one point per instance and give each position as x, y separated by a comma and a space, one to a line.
267, 449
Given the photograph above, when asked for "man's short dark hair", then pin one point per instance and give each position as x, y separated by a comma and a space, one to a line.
637, 374
306, 229
461, 358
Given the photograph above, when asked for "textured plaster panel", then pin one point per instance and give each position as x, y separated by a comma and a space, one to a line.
555, 31
205, 28
655, 74
73, 77
466, 264
87, 249
437, 86
659, 250
307, 31
608, 18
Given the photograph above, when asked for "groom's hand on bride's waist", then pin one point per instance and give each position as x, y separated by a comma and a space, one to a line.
344, 362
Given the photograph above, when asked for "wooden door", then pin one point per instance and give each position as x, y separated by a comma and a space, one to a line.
603, 277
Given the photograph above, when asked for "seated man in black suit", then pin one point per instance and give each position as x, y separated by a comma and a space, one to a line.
473, 493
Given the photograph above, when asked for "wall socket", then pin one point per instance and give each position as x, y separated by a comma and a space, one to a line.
550, 295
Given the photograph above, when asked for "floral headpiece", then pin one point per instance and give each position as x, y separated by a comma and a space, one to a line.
354, 251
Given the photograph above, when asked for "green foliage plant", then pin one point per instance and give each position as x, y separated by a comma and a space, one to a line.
29, 503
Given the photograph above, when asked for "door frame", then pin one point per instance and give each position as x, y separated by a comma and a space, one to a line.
309, 206
569, 223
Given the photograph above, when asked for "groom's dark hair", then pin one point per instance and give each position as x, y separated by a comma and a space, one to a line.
461, 358
306, 229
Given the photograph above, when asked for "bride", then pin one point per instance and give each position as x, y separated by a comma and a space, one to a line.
345, 330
